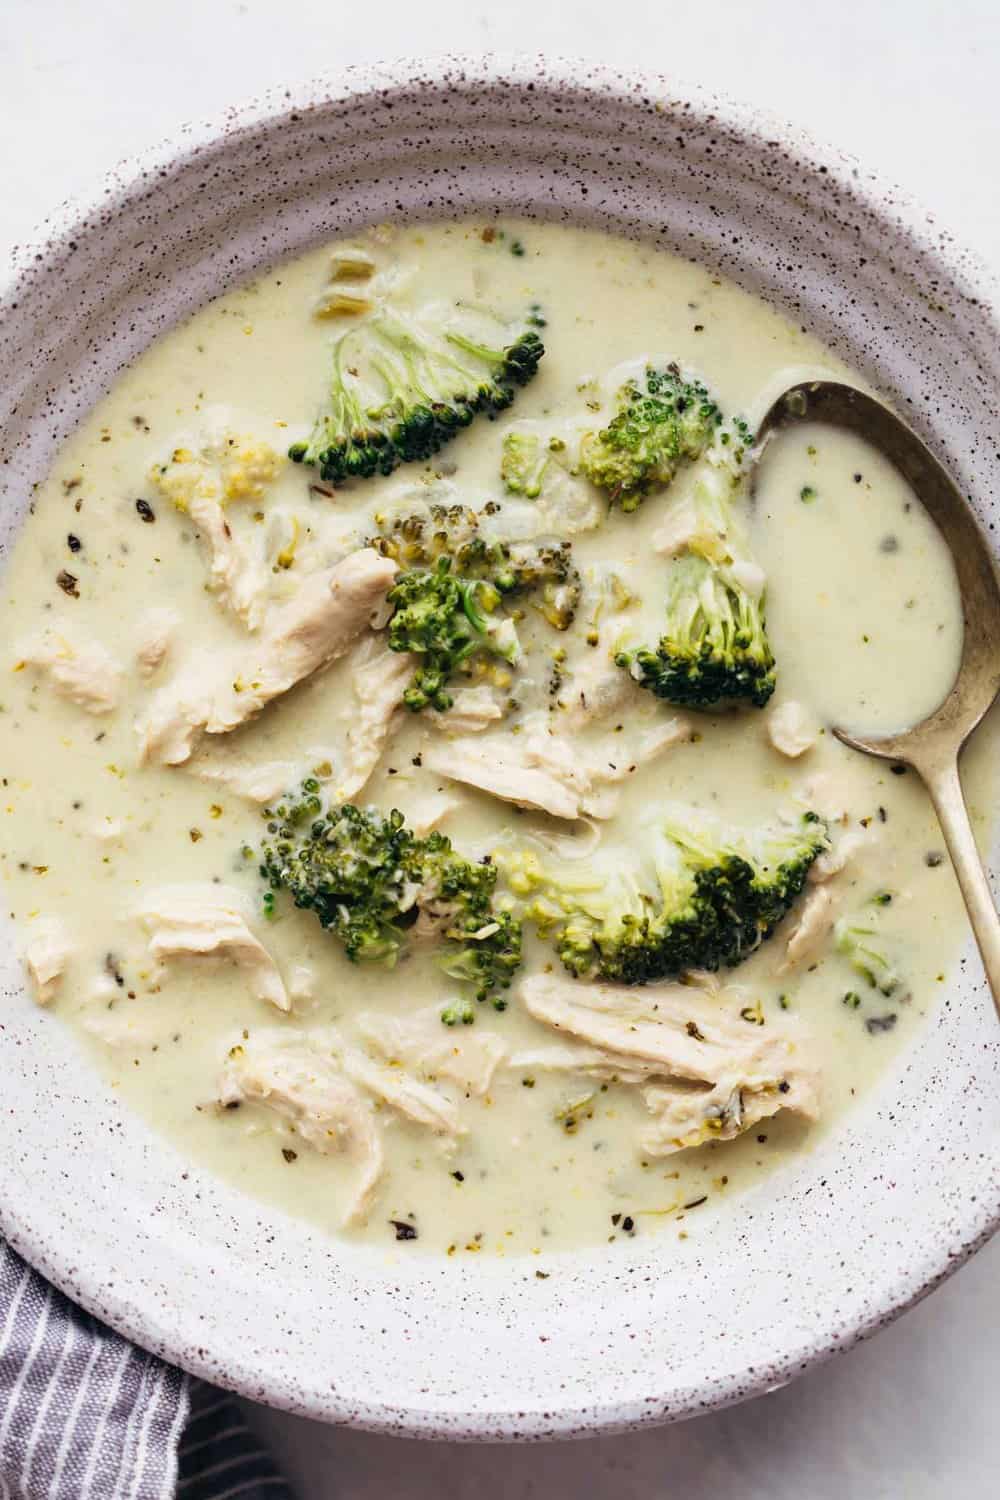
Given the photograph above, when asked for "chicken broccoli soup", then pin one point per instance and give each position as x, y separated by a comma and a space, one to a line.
421, 796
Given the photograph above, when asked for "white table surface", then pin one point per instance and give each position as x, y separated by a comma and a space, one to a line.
911, 86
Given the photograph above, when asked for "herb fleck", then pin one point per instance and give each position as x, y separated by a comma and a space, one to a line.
146, 511
403, 1230
68, 583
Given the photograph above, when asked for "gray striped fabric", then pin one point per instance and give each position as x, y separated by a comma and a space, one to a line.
84, 1415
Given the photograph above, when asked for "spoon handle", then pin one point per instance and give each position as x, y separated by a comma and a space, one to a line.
946, 793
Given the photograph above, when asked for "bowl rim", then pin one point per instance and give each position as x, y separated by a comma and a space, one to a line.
967, 268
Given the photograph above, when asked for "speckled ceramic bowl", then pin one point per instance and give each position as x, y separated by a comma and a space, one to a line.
640, 1332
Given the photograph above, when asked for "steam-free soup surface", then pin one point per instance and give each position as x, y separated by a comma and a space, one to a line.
863, 619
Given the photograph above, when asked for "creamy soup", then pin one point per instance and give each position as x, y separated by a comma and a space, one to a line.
196, 627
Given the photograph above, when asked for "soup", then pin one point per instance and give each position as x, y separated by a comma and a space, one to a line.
642, 927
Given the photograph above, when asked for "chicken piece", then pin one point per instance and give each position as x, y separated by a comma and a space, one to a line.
575, 1057
226, 469
287, 1073
302, 982
598, 688
835, 860
617, 759
812, 927
791, 729
81, 671
824, 794
414, 1100
552, 773
261, 783
209, 921
567, 508
710, 1071
46, 954
429, 812
684, 1116
320, 623
680, 528
507, 776
420, 1043
155, 635
474, 709
379, 680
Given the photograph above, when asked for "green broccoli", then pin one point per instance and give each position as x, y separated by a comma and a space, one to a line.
375, 885
437, 617
453, 580
714, 648
858, 940
523, 463
705, 898
670, 419
429, 393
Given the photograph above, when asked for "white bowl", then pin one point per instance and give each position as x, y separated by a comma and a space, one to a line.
635, 1333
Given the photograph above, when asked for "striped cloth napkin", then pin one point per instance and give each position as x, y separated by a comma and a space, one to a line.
85, 1415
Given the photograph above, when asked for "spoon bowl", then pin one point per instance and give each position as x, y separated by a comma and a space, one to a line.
931, 747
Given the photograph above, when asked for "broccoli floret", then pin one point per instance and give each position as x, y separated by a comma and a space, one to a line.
858, 939
714, 648
523, 462
706, 900
661, 422
429, 393
376, 886
437, 617
454, 582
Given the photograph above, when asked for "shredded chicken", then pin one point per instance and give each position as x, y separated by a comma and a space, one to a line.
791, 729
419, 1042
811, 929
302, 982
711, 1072
678, 530
320, 623
46, 954
155, 635
484, 766
261, 783
414, 1100
286, 1072
474, 709
576, 1057
430, 812
836, 860
598, 688
209, 921
82, 671
380, 678
552, 773
824, 794
201, 484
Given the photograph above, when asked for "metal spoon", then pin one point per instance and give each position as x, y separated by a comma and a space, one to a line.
932, 747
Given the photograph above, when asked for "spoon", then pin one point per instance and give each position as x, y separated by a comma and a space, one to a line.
931, 747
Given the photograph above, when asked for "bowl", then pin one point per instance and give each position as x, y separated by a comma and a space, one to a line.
822, 1253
